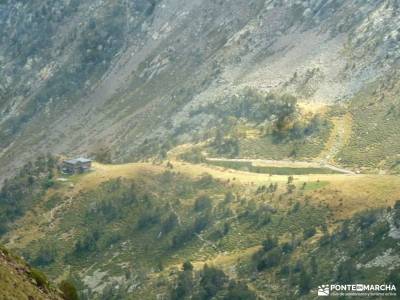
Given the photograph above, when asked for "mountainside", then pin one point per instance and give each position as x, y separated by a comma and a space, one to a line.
233, 149
19, 281
178, 230
128, 76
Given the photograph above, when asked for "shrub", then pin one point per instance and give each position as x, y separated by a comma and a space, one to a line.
394, 277
200, 223
205, 181
304, 282
68, 290
229, 197
202, 203
148, 219
269, 243
40, 278
346, 272
295, 208
181, 237
366, 220
169, 223
46, 255
397, 205
287, 247
194, 156
87, 243
183, 287
309, 232
325, 240
187, 266
229, 146
239, 291
270, 259
212, 280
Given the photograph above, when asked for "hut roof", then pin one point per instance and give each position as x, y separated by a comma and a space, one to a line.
77, 160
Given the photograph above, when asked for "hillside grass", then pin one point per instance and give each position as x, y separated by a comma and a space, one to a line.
266, 147
374, 141
17, 280
74, 213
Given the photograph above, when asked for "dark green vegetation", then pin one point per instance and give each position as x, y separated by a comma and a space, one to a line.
209, 283
375, 136
254, 106
363, 248
19, 195
127, 228
249, 167
280, 129
136, 233
128, 238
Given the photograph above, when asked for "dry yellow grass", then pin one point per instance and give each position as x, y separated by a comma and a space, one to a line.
35, 223
102, 173
307, 107
16, 284
242, 177
225, 261
356, 193
347, 193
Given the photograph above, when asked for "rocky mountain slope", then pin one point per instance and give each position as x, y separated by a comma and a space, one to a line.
77, 76
257, 140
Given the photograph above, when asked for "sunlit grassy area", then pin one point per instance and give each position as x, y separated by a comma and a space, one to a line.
233, 230
250, 167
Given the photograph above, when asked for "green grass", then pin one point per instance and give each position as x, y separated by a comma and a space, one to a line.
311, 186
19, 281
248, 167
266, 148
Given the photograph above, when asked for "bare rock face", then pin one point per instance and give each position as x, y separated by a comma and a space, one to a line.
76, 75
